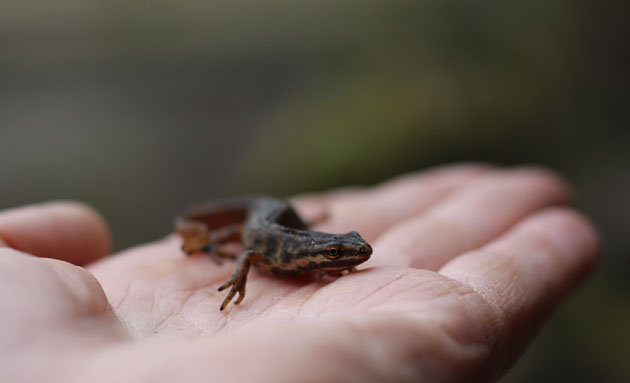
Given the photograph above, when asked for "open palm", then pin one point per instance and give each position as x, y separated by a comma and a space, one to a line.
468, 263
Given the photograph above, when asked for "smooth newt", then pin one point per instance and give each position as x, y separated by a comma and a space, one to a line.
275, 240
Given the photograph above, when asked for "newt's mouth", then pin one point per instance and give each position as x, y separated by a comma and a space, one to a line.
366, 250
347, 263
340, 268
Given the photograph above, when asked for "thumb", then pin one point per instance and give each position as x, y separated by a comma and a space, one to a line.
67, 231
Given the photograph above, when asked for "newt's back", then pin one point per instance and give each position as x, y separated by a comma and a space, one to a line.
265, 211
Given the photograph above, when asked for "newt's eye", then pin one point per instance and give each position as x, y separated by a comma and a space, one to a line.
333, 253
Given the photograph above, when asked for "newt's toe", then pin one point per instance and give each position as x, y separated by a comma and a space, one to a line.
241, 294
225, 286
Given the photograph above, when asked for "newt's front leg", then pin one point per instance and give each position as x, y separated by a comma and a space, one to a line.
239, 278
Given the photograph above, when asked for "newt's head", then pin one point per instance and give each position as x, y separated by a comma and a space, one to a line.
335, 252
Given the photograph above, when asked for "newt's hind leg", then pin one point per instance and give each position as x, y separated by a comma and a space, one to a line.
231, 233
239, 278
203, 241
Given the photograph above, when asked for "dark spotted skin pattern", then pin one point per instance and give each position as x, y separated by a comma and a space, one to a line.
274, 238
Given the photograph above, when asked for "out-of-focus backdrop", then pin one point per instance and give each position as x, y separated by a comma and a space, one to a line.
141, 108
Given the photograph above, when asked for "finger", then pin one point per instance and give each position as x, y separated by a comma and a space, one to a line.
371, 211
526, 272
469, 218
62, 230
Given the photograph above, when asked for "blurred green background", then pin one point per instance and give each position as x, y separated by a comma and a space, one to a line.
141, 108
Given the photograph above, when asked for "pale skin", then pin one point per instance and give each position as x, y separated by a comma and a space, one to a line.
469, 262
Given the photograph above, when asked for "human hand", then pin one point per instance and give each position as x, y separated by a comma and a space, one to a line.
468, 263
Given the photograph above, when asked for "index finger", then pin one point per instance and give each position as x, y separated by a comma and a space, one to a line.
372, 210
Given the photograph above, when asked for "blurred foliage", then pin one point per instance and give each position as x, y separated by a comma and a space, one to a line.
141, 108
